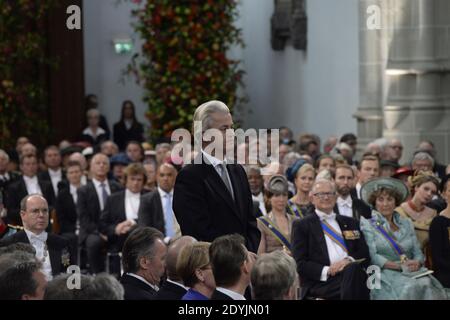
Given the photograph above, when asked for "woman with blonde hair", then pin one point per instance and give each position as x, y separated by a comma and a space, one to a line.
194, 268
302, 174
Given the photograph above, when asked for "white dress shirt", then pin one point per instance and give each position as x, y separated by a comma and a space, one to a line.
154, 286
38, 241
335, 252
73, 192
260, 199
4, 177
162, 195
358, 190
89, 132
178, 284
32, 185
345, 206
217, 164
55, 177
98, 188
233, 295
132, 203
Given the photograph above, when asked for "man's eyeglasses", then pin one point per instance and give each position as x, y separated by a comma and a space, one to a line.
323, 195
35, 212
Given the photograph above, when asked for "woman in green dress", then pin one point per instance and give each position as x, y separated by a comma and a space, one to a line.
394, 247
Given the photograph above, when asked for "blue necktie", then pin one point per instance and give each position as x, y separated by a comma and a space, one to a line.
168, 216
104, 194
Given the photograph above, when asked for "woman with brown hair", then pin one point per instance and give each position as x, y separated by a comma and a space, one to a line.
393, 246
424, 187
276, 227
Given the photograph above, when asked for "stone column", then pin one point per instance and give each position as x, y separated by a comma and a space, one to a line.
417, 105
405, 74
373, 45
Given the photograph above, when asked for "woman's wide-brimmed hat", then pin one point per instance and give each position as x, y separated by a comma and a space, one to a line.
388, 183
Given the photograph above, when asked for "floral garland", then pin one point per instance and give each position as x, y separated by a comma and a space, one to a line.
23, 62
183, 61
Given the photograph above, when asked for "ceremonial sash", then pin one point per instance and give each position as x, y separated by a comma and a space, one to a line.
334, 235
390, 239
275, 232
293, 210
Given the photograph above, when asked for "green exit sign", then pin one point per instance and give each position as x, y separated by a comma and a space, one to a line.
123, 46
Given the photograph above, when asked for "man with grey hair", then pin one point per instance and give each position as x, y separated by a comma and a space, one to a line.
428, 147
144, 262
100, 287
173, 288
23, 280
422, 161
325, 247
393, 150
212, 197
274, 277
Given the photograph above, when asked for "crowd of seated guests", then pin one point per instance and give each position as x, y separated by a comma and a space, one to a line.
323, 218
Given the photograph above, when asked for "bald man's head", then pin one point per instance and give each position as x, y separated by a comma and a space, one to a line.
172, 255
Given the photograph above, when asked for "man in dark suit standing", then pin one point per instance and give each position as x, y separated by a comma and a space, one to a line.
65, 205
54, 173
213, 198
91, 201
325, 247
173, 288
29, 183
143, 257
156, 209
51, 250
346, 204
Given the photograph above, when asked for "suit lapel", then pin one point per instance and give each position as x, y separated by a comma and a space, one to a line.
93, 191
55, 255
122, 211
317, 231
23, 187
343, 225
159, 210
218, 186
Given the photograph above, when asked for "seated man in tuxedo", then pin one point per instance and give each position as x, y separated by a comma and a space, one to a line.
51, 250
156, 209
54, 172
143, 258
211, 197
173, 288
231, 264
91, 201
121, 210
347, 204
66, 209
325, 247
29, 183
